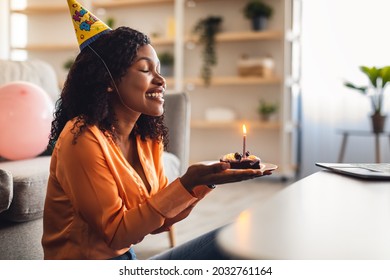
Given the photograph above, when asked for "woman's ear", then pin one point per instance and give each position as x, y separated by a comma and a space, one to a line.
109, 89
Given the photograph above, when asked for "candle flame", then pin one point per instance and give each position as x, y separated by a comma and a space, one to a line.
244, 129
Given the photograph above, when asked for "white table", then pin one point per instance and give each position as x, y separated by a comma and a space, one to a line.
323, 216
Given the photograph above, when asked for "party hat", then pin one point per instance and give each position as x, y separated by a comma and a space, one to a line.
87, 26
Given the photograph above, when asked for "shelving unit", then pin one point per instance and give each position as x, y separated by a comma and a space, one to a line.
128, 3
39, 9
244, 36
272, 141
234, 80
202, 124
48, 47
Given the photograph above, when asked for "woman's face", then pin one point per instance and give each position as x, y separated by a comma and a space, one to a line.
142, 88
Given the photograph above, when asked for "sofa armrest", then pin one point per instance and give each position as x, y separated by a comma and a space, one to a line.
171, 166
6, 189
29, 182
177, 118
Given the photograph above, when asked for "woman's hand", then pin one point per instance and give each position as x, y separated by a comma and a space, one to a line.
217, 173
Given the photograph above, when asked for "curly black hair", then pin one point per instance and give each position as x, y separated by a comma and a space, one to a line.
85, 96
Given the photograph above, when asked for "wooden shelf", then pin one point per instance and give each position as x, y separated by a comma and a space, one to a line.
248, 36
228, 81
40, 9
235, 81
60, 8
128, 3
203, 124
200, 1
48, 47
159, 41
64, 47
243, 36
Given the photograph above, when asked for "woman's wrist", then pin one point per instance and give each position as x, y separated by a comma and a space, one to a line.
187, 186
186, 183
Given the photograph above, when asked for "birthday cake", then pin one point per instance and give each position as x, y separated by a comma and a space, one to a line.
238, 161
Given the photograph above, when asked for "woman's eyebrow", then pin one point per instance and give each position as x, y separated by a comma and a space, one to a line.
144, 58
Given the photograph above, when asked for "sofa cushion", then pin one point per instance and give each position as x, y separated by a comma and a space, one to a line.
171, 166
29, 188
6, 190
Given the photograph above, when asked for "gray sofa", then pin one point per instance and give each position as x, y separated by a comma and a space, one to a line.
23, 182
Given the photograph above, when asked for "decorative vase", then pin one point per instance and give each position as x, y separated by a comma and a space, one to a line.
268, 117
265, 117
378, 123
259, 23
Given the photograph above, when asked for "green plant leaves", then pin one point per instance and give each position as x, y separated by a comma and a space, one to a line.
372, 73
256, 8
267, 108
378, 77
362, 89
166, 58
207, 28
385, 74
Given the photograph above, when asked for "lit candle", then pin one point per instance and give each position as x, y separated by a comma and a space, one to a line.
244, 141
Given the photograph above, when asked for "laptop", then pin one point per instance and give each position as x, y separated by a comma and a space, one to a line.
375, 171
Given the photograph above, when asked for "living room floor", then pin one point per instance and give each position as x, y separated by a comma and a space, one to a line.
220, 207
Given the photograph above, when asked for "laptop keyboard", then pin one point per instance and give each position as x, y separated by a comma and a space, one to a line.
378, 167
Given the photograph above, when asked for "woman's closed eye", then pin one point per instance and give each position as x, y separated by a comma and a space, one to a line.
148, 70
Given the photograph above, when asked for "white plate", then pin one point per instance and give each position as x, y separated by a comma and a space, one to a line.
268, 166
264, 166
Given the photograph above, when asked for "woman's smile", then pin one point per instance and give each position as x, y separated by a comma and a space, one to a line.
156, 95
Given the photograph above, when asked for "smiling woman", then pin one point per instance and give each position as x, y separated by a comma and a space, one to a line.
107, 187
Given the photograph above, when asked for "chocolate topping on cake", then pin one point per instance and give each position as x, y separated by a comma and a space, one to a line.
237, 161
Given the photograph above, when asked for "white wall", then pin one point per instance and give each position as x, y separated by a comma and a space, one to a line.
337, 37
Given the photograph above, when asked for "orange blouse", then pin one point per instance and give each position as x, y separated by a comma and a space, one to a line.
96, 204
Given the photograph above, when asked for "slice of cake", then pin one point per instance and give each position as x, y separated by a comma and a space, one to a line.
237, 161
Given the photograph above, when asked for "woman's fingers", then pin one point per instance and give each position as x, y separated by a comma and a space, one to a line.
232, 175
220, 166
217, 173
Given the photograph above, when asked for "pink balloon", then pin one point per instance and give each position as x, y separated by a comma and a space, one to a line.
26, 112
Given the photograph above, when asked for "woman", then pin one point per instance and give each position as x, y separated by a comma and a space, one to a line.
107, 188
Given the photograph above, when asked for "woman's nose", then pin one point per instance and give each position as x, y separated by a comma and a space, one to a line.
160, 80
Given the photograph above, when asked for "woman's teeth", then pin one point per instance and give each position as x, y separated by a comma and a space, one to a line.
154, 94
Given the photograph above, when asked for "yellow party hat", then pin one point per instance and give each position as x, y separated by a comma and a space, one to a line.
87, 26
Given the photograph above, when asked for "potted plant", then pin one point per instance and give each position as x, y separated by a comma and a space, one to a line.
166, 63
258, 12
68, 64
207, 28
110, 21
267, 109
378, 80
